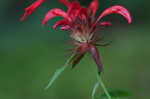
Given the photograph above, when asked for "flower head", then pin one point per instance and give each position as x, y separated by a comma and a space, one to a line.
82, 25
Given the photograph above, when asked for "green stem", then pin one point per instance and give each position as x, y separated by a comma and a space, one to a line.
103, 86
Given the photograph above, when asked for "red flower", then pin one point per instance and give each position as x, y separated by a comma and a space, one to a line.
80, 22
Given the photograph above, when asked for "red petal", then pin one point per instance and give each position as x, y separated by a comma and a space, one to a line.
61, 22
73, 9
65, 2
116, 9
82, 13
65, 27
29, 10
96, 56
93, 7
105, 24
53, 13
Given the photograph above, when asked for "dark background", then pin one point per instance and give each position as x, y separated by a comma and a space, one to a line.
30, 53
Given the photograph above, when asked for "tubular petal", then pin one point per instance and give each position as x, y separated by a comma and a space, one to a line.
61, 22
82, 13
73, 9
65, 2
53, 13
93, 7
107, 24
29, 10
95, 54
118, 10
65, 28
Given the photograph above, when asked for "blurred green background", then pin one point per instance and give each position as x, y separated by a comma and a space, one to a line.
30, 53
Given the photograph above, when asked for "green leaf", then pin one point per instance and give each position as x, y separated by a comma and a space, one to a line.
56, 74
115, 94
94, 89
59, 71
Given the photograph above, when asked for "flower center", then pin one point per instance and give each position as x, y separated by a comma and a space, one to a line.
83, 32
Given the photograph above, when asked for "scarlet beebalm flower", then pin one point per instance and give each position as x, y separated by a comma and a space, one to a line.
80, 22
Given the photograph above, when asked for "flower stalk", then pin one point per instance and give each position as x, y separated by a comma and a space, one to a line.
103, 86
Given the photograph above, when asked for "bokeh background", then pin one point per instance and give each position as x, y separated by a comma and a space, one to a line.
30, 53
